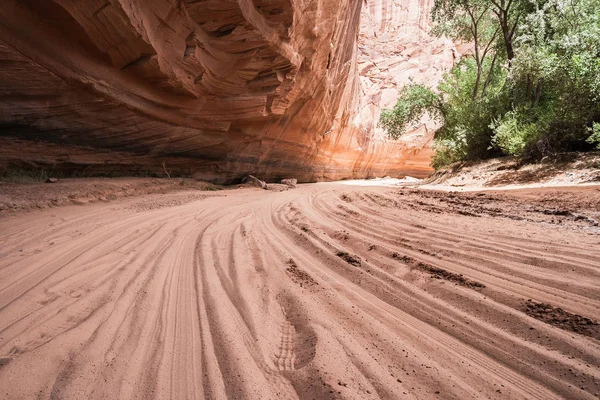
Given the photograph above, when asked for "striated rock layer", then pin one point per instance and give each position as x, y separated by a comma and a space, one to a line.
211, 88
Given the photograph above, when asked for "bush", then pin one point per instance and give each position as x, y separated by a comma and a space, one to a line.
413, 102
535, 94
521, 132
594, 138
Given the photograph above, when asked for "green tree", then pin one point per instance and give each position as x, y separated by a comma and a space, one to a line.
414, 101
555, 79
529, 86
469, 21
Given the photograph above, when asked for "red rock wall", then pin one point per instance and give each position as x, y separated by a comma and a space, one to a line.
212, 88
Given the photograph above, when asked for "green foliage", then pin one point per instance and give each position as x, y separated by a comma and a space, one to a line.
467, 120
447, 152
453, 18
594, 138
518, 131
555, 78
530, 85
414, 101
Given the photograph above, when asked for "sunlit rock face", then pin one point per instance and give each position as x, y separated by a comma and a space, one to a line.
395, 47
211, 88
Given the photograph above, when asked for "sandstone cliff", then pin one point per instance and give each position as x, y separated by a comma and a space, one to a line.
395, 47
211, 88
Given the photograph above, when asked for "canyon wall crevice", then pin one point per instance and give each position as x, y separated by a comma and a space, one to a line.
213, 88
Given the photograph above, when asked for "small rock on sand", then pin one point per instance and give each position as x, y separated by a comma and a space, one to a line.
290, 182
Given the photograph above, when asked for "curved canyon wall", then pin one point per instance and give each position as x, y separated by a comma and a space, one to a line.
212, 88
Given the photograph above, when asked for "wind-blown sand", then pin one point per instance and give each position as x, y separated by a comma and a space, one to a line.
326, 291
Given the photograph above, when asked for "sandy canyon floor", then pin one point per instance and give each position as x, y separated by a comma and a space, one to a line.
327, 291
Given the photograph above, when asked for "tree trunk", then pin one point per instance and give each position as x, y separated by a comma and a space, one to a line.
502, 11
489, 77
474, 28
506, 34
477, 81
538, 93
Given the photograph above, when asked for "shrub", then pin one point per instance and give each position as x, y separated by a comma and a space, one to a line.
528, 94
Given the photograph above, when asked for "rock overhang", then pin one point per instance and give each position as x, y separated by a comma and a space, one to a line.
216, 89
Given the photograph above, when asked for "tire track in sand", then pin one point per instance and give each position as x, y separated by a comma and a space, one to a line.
199, 300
